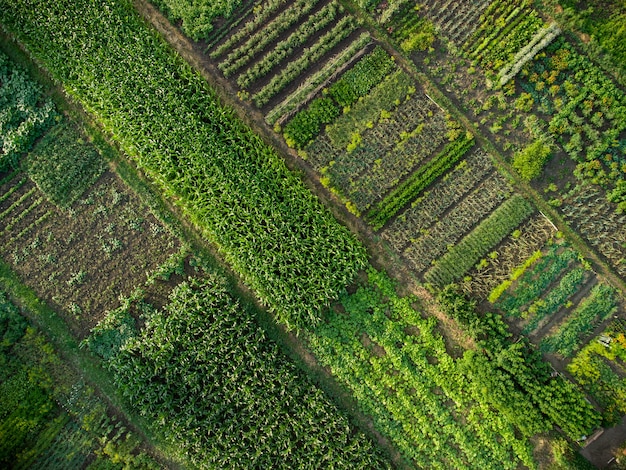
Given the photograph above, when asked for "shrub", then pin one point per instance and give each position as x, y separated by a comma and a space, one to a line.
530, 162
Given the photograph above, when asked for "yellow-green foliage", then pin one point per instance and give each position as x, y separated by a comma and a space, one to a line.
499, 290
530, 162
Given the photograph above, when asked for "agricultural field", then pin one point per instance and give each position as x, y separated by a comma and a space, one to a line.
476, 149
81, 246
49, 416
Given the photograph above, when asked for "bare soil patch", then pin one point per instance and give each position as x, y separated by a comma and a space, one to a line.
82, 260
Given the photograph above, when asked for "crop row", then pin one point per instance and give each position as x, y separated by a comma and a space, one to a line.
288, 46
63, 166
49, 417
599, 223
502, 34
588, 113
435, 241
217, 389
26, 114
421, 178
497, 270
386, 151
460, 258
361, 78
535, 281
540, 40
377, 160
554, 300
590, 312
228, 24
394, 376
307, 124
309, 56
410, 31
518, 366
442, 195
257, 42
264, 13
237, 190
599, 368
312, 84
394, 89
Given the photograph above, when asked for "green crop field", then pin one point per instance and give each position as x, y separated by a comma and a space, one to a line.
312, 234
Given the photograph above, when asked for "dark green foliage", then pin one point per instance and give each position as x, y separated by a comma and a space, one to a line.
568, 285
410, 31
63, 165
530, 161
360, 79
306, 125
111, 333
488, 329
421, 178
236, 189
395, 363
534, 282
501, 392
12, 325
24, 113
197, 16
49, 417
518, 366
599, 305
215, 386
606, 26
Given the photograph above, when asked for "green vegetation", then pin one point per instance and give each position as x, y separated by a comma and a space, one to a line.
409, 30
555, 299
379, 103
395, 363
293, 101
499, 290
63, 166
599, 368
423, 177
267, 224
461, 257
360, 79
49, 417
197, 16
519, 367
24, 113
505, 28
530, 161
354, 84
340, 31
306, 125
535, 281
604, 25
598, 306
287, 47
223, 394
263, 37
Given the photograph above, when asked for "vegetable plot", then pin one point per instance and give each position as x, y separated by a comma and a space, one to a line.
214, 386
267, 225
24, 113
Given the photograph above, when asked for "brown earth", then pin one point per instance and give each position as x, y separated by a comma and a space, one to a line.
83, 259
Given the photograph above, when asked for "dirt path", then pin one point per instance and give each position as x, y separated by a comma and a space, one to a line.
601, 451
